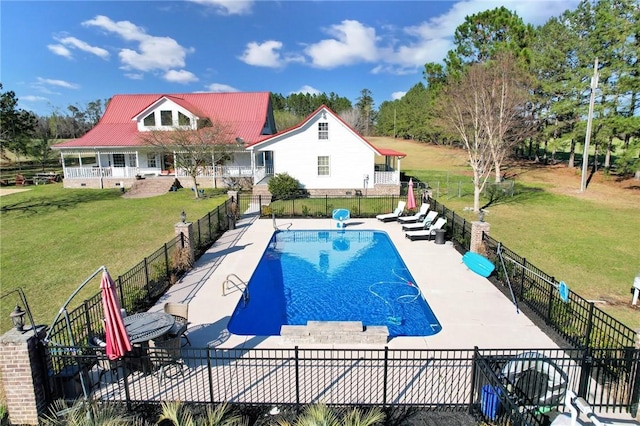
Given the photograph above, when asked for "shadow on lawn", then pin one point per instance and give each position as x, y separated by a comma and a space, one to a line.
45, 204
521, 194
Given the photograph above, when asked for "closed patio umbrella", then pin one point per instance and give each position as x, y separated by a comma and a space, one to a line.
117, 339
411, 200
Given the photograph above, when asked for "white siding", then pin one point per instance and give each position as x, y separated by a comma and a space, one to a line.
350, 158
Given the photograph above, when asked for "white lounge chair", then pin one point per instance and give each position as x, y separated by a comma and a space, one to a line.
426, 234
388, 217
423, 224
424, 208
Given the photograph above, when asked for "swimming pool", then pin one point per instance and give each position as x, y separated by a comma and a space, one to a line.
343, 275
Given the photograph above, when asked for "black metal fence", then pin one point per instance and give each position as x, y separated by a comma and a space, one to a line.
604, 368
577, 320
498, 385
141, 286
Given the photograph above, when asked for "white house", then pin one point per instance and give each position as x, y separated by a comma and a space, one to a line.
322, 152
328, 157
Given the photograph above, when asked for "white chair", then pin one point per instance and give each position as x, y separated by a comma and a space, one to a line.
388, 217
424, 208
424, 224
426, 234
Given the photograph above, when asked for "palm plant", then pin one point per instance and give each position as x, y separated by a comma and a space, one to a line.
179, 415
321, 415
88, 413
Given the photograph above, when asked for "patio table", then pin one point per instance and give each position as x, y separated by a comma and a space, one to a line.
146, 326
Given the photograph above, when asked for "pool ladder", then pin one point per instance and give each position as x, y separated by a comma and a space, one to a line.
234, 281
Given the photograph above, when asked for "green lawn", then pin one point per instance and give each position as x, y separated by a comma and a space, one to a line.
52, 239
593, 247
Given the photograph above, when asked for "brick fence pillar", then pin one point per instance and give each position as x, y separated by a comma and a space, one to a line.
477, 228
186, 228
21, 366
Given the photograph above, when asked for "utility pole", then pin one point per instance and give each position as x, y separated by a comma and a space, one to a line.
394, 123
587, 138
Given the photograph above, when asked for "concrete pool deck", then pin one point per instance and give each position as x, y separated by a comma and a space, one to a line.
471, 310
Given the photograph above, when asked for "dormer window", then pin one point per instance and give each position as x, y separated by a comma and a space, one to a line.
150, 120
166, 118
183, 120
323, 131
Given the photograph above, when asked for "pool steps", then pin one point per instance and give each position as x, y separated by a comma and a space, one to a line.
335, 332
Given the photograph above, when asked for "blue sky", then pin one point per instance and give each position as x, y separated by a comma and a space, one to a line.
59, 53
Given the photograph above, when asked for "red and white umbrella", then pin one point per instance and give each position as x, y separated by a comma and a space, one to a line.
411, 199
117, 339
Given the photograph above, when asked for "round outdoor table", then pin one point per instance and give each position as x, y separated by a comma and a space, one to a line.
147, 325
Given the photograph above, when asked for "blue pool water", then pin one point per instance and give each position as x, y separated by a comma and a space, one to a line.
342, 275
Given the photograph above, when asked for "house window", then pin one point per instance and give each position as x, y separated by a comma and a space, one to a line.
323, 130
118, 160
152, 160
323, 165
133, 160
183, 120
150, 120
166, 118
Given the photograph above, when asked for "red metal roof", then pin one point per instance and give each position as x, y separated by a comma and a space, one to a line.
244, 113
380, 151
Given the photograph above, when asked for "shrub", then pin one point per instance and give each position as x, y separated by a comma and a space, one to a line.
283, 187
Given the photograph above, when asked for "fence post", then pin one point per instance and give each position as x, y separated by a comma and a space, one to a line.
210, 369
474, 360
146, 277
297, 377
166, 260
585, 372
185, 230
478, 229
635, 376
550, 301
587, 335
326, 205
385, 379
522, 279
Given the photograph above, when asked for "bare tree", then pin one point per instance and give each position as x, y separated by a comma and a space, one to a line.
354, 118
460, 112
194, 148
504, 108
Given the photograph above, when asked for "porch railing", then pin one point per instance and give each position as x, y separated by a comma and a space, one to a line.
96, 172
386, 178
220, 171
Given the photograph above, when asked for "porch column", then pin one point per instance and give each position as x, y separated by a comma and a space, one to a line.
100, 169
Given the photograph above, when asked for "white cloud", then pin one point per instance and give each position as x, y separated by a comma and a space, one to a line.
307, 89
228, 7
134, 75
353, 43
60, 50
218, 88
32, 98
181, 76
154, 53
85, 47
397, 95
56, 83
263, 55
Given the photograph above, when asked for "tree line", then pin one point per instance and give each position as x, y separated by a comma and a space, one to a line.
531, 88
549, 70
